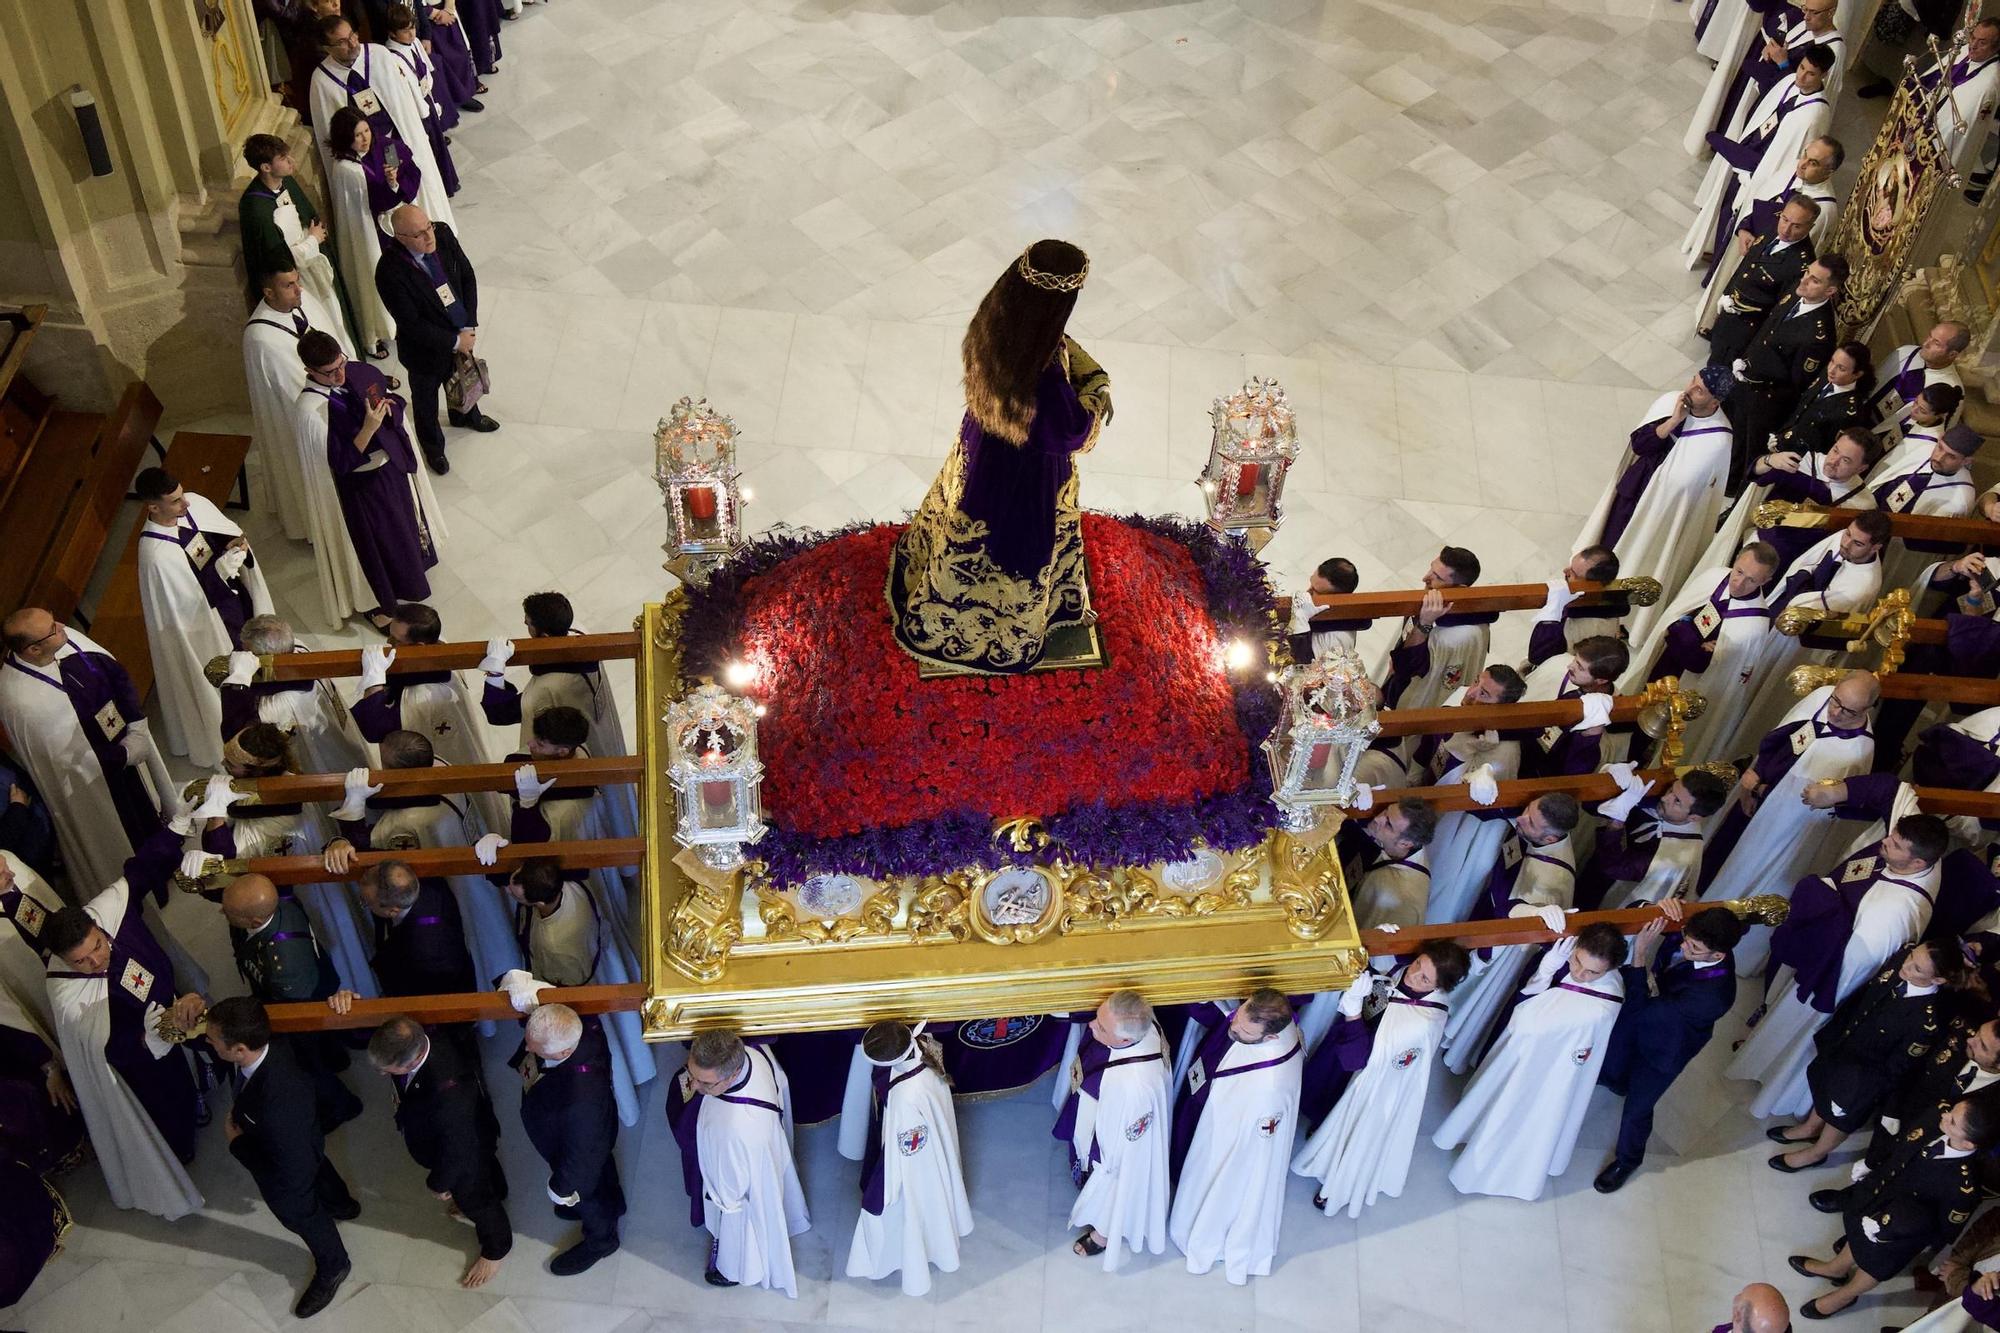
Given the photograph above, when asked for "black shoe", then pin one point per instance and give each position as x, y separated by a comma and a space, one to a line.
320, 1291
1879, 88
1776, 1134
203, 1117
567, 1212
344, 1212
580, 1257
1828, 1201
472, 104
473, 420
1811, 1310
437, 462
1613, 1177
714, 1278
1799, 1262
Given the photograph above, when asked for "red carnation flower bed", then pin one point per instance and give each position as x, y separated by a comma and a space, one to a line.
853, 740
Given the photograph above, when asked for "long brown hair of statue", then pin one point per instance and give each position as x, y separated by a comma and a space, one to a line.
1014, 334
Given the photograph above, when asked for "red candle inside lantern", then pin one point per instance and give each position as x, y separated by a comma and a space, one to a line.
1246, 479
1316, 762
700, 502
715, 796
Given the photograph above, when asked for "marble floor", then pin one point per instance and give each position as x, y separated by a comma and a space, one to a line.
1448, 227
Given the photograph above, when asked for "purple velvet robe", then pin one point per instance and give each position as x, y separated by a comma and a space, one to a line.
377, 503
92, 680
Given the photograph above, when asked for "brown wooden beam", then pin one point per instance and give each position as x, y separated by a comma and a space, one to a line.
1917, 527
1497, 717
1977, 690
453, 656
314, 1016
1517, 792
444, 779
1478, 597
592, 855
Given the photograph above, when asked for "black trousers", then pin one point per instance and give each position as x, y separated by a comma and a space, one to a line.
1729, 335
599, 1207
424, 393
1755, 412
484, 1204
315, 1225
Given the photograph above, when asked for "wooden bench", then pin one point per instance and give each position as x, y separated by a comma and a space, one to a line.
206, 465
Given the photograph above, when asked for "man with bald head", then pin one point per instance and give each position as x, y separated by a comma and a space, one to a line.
75, 721
281, 962
1758, 1308
1914, 367
430, 289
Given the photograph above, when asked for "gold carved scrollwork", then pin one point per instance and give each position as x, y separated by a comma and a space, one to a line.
875, 917
1145, 896
1091, 899
1639, 589
1305, 882
703, 926
939, 912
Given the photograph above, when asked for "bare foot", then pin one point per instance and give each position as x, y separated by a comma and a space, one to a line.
478, 1272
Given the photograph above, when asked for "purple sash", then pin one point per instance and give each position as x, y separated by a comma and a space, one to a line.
1188, 1108
1814, 936
228, 598
1093, 1058
357, 80
684, 1117
1585, 990
871, 1161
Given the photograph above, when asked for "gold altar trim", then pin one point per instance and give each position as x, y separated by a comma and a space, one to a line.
728, 948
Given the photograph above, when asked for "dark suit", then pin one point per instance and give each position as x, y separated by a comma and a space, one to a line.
1937, 1083
1917, 1197
1763, 278
447, 1123
423, 952
1874, 1042
1788, 352
1819, 417
1657, 1035
426, 329
283, 1149
283, 963
572, 1119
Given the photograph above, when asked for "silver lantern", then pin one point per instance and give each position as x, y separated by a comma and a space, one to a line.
1326, 719
1252, 449
712, 762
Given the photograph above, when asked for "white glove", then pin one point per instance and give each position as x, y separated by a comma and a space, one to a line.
133, 743
1858, 1173
1552, 917
1596, 712
487, 849
195, 864
499, 652
1871, 1228
1480, 782
1631, 790
1364, 796
375, 664
523, 990
1303, 607
1738, 366
242, 668
216, 798
1390, 928
1559, 599
230, 563
356, 791
562, 1200
529, 787
1728, 305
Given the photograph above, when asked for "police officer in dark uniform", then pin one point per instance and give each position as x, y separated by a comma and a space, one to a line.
281, 962
571, 1115
1922, 1193
1770, 269
1875, 1041
1673, 1000
274, 1133
1967, 1062
1826, 409
1789, 350
448, 1125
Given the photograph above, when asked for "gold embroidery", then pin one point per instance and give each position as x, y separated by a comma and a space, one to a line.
954, 605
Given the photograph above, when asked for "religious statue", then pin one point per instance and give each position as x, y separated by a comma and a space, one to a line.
992, 563
1889, 187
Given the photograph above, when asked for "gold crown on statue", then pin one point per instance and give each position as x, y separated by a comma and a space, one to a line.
1051, 282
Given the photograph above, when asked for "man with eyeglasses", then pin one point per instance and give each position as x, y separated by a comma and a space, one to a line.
432, 293
348, 416
76, 722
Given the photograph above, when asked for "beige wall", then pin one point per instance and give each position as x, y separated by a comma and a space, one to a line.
138, 268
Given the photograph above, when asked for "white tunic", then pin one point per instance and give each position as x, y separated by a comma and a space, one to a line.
1129, 1124
140, 1170
1675, 516
1395, 893
1724, 683
563, 946
1230, 1200
1739, 526
443, 713
1902, 468
184, 631
1520, 1115
924, 1208
23, 978
1778, 1049
590, 694
1895, 409
1362, 1149
1804, 120
391, 81
1787, 837
357, 243
1547, 879
1463, 848
751, 1199
318, 727
1672, 873
274, 374
1961, 117
42, 726
1458, 655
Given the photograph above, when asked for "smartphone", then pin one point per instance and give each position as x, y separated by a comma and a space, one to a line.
375, 394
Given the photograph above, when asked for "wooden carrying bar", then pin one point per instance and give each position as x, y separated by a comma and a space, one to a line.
430, 861
1910, 527
1477, 597
452, 656
442, 780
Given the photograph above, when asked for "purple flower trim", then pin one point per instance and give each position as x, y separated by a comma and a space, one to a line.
1239, 602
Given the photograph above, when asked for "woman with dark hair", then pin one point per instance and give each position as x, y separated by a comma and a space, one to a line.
992, 563
367, 178
1836, 400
